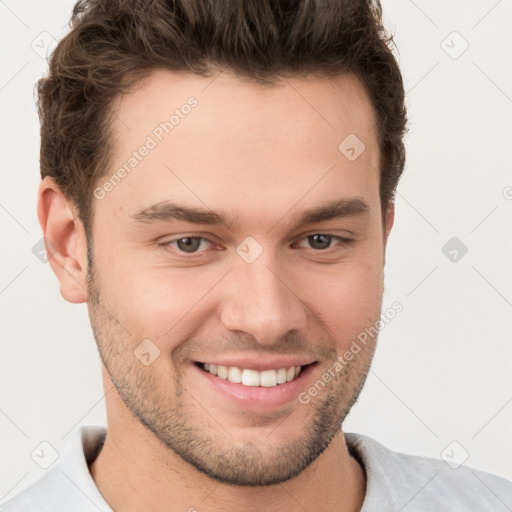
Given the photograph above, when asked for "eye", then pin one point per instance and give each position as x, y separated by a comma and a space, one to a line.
322, 241
188, 244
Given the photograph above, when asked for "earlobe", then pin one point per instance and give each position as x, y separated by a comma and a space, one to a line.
65, 241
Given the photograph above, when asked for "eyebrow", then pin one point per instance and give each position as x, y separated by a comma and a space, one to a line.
167, 211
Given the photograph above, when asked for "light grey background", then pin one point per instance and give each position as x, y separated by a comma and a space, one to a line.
442, 371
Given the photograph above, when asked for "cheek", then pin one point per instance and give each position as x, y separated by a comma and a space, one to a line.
143, 293
350, 300
168, 304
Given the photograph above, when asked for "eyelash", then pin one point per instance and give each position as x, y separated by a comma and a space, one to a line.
342, 243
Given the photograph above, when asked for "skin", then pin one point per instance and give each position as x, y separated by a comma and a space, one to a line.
262, 155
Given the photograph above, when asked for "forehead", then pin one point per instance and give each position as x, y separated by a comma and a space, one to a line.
222, 142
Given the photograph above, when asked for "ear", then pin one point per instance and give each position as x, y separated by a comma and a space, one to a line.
390, 219
388, 224
64, 236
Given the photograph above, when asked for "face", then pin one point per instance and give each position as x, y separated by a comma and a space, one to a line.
215, 326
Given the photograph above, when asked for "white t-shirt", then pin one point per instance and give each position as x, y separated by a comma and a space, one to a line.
395, 481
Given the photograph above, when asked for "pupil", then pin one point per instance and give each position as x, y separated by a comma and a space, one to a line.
192, 244
314, 239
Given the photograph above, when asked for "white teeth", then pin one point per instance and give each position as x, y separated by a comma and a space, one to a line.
250, 378
281, 375
268, 378
234, 374
247, 377
222, 371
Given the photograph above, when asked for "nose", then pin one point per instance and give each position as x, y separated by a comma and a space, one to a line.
261, 302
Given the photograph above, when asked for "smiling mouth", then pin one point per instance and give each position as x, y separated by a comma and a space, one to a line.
253, 378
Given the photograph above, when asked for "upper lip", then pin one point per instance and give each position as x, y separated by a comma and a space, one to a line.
260, 364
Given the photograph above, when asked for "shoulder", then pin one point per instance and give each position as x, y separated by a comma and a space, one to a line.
397, 480
68, 485
50, 492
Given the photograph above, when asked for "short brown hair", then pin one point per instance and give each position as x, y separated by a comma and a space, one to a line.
114, 43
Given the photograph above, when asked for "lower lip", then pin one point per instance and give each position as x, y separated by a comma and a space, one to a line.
258, 398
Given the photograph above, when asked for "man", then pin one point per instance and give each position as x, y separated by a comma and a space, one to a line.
218, 183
